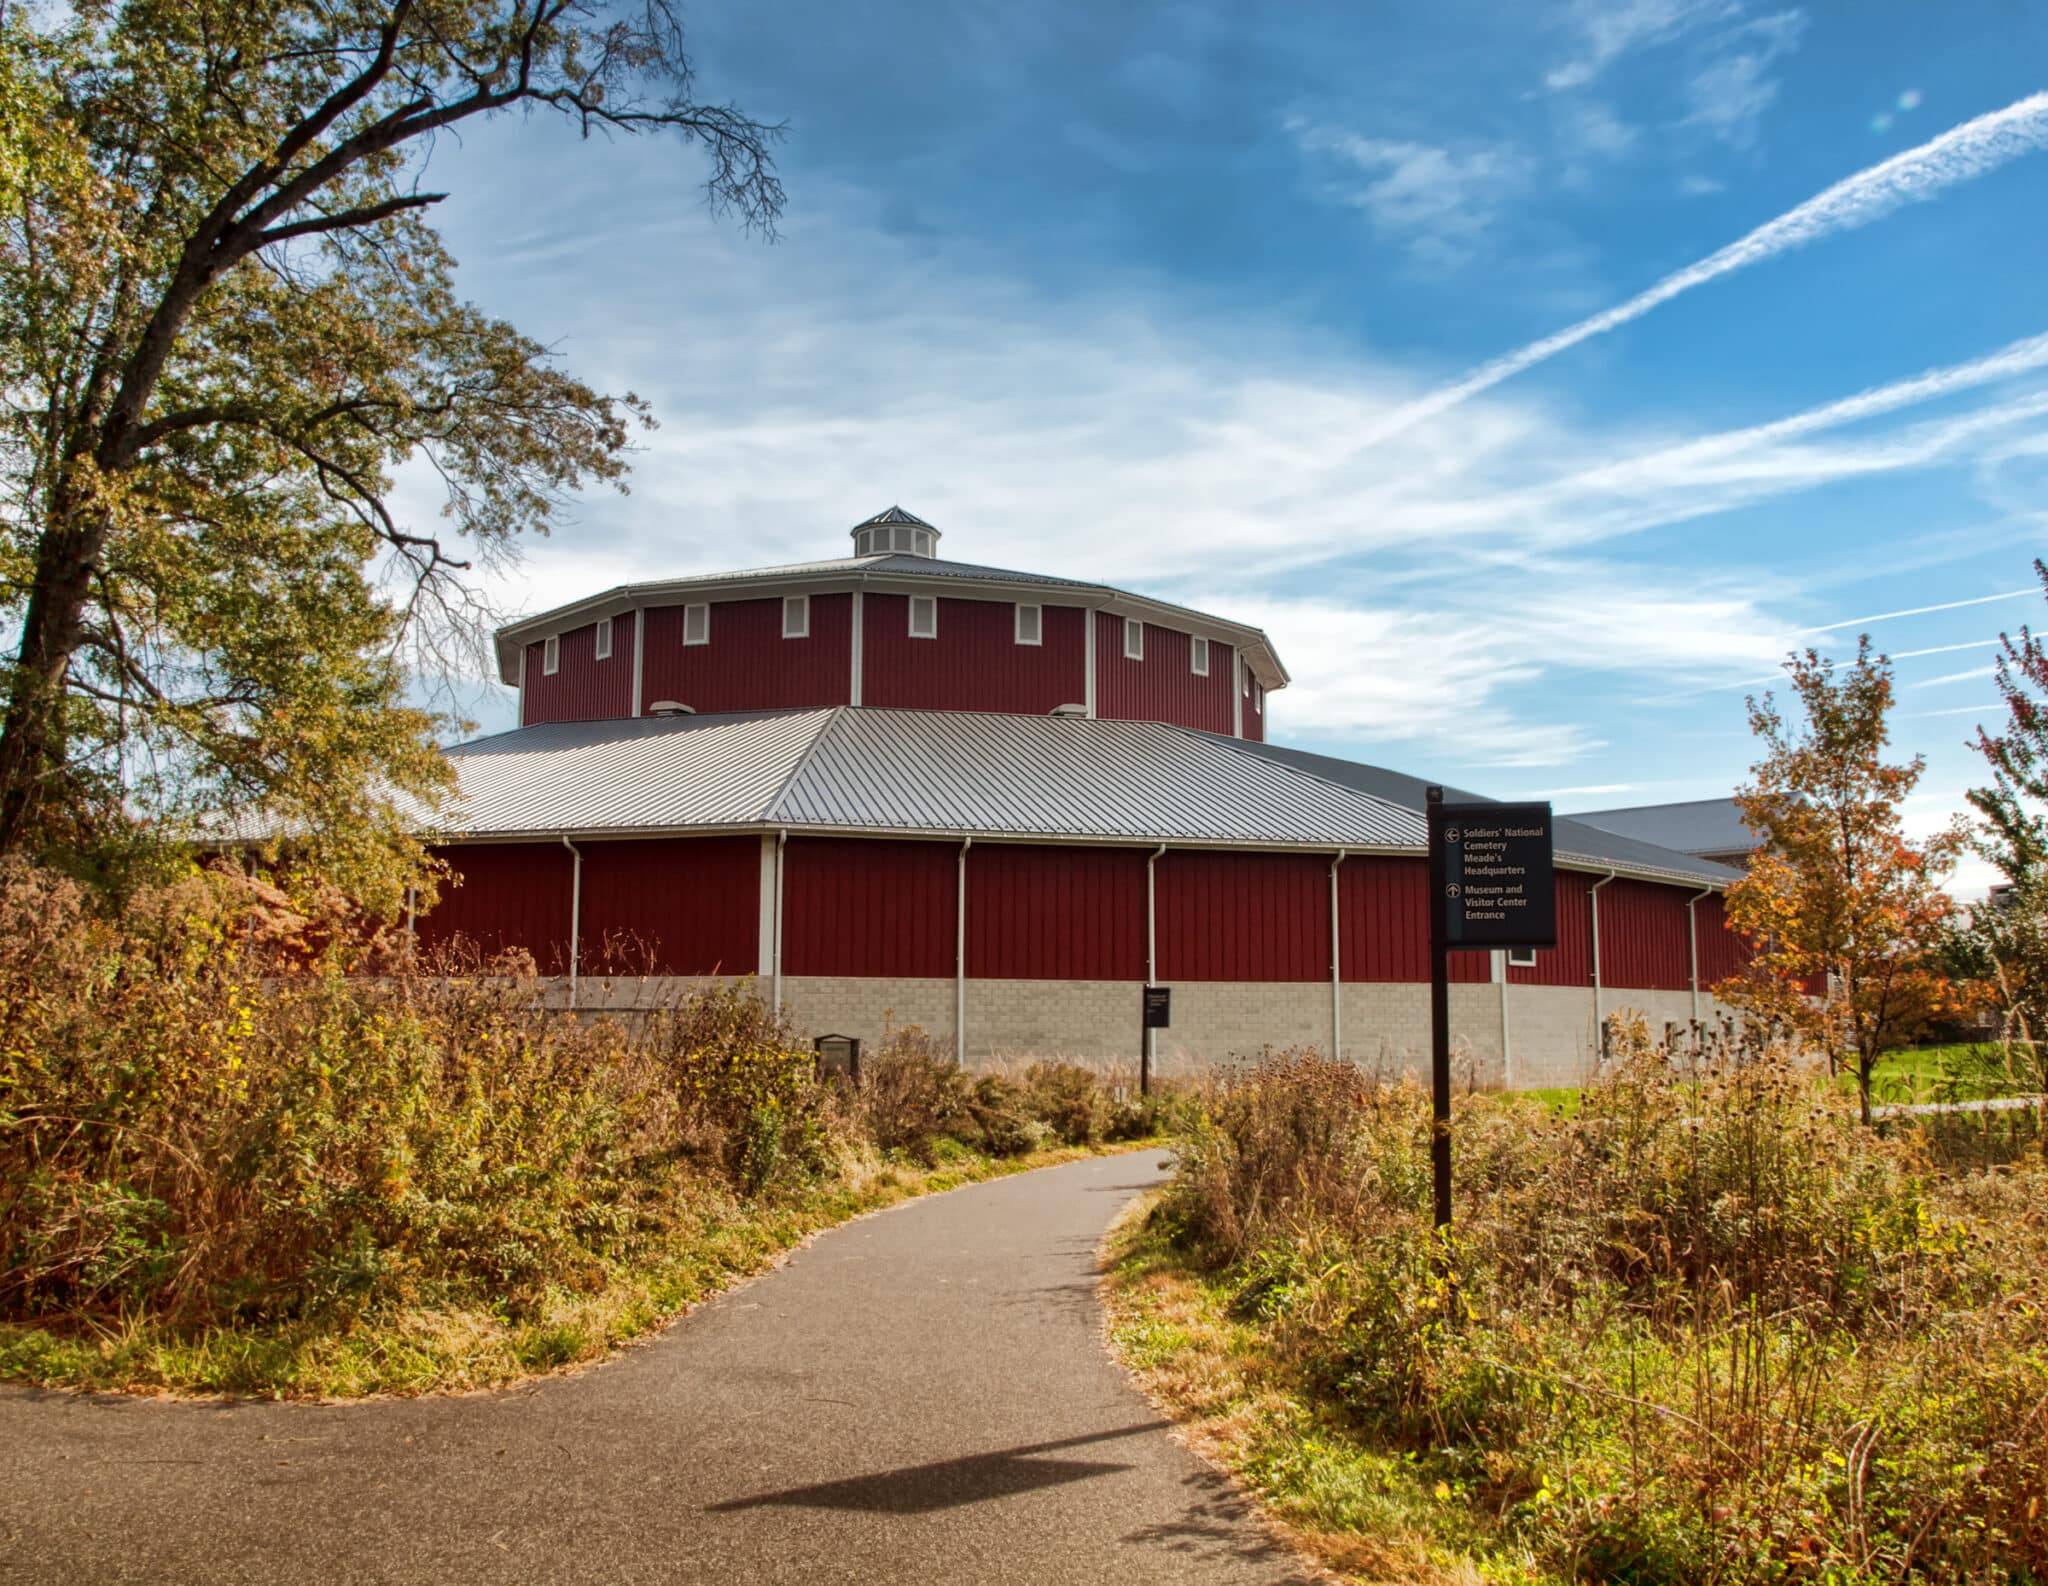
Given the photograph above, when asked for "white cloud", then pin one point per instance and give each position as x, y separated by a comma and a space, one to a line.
1436, 201
1916, 175
1611, 29
1730, 91
1700, 186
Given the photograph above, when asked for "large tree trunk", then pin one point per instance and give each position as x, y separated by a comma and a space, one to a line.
32, 736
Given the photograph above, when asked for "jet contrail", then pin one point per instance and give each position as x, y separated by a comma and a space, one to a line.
1921, 611
1920, 173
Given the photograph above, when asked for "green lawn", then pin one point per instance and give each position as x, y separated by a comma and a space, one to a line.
1959, 1071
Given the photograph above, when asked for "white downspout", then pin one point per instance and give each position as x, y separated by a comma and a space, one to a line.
781, 843
960, 961
1692, 947
1336, 965
1599, 997
1152, 946
575, 917
1507, 1050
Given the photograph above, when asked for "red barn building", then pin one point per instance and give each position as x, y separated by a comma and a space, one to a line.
896, 788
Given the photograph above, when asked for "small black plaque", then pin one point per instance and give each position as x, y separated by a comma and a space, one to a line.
1158, 1007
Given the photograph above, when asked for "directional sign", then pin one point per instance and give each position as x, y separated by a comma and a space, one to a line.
1496, 886
1158, 1007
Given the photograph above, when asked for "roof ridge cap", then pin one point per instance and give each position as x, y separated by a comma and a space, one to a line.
1246, 748
831, 714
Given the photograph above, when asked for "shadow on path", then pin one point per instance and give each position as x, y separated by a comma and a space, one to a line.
948, 1483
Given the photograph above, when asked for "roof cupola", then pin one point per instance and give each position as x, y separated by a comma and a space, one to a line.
895, 531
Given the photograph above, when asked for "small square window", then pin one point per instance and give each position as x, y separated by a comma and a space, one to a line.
604, 638
1521, 958
1030, 624
551, 654
796, 616
1134, 639
1198, 657
696, 624
924, 616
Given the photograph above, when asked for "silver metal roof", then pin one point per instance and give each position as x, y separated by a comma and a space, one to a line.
1699, 826
1573, 841
1051, 776
900, 772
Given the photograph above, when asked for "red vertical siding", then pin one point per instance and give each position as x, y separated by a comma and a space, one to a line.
1643, 944
1036, 913
676, 906
1383, 913
851, 906
1162, 686
503, 896
975, 662
748, 665
1570, 962
582, 688
1243, 916
1723, 952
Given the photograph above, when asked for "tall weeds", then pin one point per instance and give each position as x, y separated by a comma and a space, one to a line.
1708, 1329
217, 1111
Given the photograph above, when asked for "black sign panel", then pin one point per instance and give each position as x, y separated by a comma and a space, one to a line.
1158, 1007
1497, 887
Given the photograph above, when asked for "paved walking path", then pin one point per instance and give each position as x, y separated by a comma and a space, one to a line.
921, 1396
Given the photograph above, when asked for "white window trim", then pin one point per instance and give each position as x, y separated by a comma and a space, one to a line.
931, 601
1134, 628
802, 603
705, 636
1258, 699
1521, 958
1037, 623
604, 638
550, 655
1198, 656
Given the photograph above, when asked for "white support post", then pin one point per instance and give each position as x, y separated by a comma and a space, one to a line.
1236, 692
1090, 619
960, 961
853, 689
1336, 965
781, 848
575, 916
639, 652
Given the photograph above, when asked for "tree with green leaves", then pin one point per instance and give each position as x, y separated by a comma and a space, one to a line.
1846, 913
225, 321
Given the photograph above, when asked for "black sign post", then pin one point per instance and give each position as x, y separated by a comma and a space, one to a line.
1490, 885
1158, 1015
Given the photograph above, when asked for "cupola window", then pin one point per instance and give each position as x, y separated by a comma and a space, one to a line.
604, 638
551, 654
1134, 639
895, 532
1198, 656
796, 616
924, 616
1030, 624
696, 624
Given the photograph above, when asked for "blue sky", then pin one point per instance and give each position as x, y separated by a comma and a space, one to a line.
1159, 294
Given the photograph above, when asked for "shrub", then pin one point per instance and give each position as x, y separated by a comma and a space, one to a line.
1710, 1329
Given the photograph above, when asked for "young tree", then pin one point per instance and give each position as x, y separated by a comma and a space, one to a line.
1846, 914
2008, 936
224, 322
